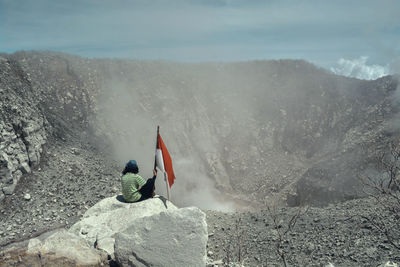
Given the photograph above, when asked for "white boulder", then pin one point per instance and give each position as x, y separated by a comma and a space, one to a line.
170, 238
66, 245
106, 218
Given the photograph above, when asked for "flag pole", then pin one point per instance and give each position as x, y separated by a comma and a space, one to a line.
167, 183
155, 158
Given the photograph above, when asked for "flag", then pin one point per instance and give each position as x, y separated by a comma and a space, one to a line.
164, 161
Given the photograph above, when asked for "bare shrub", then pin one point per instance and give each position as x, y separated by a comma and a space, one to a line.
384, 188
235, 248
283, 227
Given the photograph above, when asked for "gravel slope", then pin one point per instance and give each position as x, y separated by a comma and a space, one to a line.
70, 178
336, 234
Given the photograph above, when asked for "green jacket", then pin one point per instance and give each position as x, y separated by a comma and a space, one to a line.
130, 184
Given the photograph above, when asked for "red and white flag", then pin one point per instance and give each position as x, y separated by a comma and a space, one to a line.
163, 160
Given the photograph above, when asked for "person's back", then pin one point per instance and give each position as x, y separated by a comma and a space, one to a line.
131, 182
134, 187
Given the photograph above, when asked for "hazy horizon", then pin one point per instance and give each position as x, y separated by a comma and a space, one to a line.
353, 38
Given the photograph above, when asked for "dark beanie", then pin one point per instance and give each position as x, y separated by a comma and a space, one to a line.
131, 164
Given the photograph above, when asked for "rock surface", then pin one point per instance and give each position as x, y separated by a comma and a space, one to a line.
64, 244
171, 238
58, 248
24, 128
102, 221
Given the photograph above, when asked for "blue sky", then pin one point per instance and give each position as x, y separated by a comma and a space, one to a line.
211, 30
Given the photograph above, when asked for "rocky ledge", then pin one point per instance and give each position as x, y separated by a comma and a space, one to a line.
149, 233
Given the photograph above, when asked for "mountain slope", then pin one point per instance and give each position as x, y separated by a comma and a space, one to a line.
252, 130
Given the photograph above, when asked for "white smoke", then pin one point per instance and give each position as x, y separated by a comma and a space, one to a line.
358, 68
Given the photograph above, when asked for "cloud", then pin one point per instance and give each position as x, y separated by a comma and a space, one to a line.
358, 68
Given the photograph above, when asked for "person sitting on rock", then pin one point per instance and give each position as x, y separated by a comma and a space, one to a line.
134, 187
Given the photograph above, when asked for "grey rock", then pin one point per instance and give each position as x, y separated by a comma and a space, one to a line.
84, 232
215, 263
8, 190
389, 264
171, 238
5, 175
25, 168
17, 175
34, 157
27, 196
61, 245
102, 221
9, 180
75, 151
384, 246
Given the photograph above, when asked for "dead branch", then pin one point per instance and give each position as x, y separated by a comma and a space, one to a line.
283, 230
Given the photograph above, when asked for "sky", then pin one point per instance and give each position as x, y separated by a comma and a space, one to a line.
332, 34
